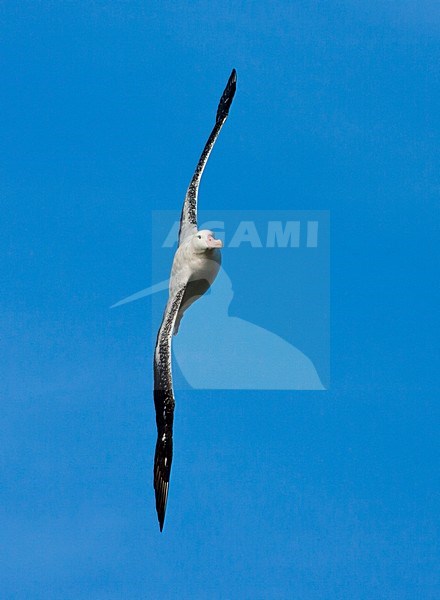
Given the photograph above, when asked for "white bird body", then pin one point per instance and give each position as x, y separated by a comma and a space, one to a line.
196, 262
190, 264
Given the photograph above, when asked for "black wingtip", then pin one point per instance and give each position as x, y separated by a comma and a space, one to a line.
162, 464
161, 515
161, 503
160, 509
227, 97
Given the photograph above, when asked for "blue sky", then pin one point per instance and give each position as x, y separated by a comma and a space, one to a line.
105, 107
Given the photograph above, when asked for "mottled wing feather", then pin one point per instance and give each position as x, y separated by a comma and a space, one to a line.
188, 219
164, 404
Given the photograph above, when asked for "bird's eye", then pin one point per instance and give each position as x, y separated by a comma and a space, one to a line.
200, 237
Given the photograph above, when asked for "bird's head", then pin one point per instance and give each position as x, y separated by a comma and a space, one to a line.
204, 240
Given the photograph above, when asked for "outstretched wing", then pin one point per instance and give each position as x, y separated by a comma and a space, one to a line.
188, 219
164, 404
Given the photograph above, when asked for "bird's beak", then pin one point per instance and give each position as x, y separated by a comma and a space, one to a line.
213, 243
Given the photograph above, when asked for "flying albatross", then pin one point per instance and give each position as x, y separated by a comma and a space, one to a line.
195, 266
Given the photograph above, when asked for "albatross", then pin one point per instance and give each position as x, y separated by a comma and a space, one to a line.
195, 266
